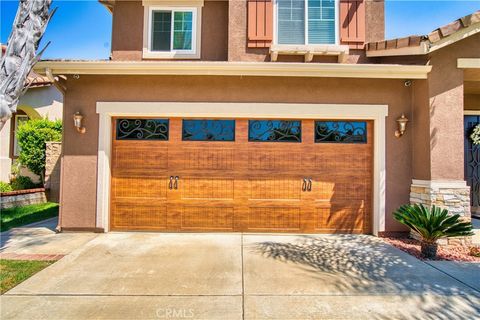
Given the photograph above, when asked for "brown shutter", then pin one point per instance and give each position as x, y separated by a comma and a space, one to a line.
260, 23
352, 23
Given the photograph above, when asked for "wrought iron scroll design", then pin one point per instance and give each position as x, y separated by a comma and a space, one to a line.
208, 130
472, 161
142, 129
340, 132
275, 130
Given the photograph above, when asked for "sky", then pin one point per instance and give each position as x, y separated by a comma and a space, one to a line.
81, 29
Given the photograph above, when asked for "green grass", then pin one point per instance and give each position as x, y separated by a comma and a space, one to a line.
18, 216
12, 272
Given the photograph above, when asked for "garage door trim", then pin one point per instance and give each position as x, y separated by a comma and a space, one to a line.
107, 110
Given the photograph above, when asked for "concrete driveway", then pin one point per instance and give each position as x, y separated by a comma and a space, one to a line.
39, 240
235, 276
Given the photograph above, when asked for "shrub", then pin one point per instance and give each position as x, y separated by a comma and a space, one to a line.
22, 183
431, 225
5, 187
32, 136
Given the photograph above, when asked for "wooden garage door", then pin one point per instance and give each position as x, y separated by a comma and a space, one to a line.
246, 175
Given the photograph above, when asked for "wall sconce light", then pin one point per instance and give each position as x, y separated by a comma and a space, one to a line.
77, 122
402, 126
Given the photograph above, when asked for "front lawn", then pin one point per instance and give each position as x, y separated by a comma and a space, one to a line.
12, 272
18, 216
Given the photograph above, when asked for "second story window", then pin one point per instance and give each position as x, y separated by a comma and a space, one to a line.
172, 33
306, 22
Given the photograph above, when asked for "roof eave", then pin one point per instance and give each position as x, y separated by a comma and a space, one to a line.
109, 4
256, 69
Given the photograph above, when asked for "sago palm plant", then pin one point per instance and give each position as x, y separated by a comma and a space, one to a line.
431, 225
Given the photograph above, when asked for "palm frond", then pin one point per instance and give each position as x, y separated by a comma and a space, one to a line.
432, 223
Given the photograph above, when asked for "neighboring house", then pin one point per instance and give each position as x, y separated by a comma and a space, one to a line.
267, 116
41, 100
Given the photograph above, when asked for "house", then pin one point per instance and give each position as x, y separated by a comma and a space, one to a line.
41, 100
267, 116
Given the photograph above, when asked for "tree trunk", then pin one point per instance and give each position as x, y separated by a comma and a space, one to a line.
21, 53
429, 250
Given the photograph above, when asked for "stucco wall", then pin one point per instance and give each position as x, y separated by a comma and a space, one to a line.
439, 108
447, 109
5, 161
127, 38
46, 101
36, 102
80, 151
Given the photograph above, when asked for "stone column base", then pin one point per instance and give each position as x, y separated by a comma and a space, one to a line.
451, 195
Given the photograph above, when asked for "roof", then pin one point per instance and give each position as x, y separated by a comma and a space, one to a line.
438, 38
108, 4
34, 80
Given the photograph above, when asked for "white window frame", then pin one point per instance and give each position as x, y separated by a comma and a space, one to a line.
194, 53
16, 147
337, 26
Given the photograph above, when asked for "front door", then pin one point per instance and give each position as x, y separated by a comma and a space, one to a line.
472, 163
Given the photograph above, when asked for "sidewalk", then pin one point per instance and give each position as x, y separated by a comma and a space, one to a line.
39, 241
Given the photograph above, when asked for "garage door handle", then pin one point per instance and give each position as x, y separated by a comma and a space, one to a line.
304, 184
309, 188
176, 183
170, 185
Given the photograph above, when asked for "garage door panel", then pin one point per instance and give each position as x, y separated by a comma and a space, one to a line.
340, 217
341, 162
207, 188
218, 158
140, 187
207, 217
140, 159
274, 218
284, 159
278, 189
140, 216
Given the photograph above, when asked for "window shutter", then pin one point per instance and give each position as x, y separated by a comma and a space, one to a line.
260, 23
352, 23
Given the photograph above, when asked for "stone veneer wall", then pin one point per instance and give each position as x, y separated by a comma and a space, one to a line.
451, 195
22, 198
454, 196
53, 151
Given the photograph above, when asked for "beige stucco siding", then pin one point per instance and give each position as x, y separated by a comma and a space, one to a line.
80, 152
127, 38
44, 101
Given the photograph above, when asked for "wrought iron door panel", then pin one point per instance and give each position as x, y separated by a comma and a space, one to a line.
472, 163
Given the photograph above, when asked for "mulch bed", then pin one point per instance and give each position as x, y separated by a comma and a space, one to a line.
445, 253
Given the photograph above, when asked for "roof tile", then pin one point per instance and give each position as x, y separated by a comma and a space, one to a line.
434, 36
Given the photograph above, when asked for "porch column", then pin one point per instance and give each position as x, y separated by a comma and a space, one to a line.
438, 138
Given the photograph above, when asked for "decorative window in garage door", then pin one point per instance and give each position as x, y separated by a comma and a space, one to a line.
208, 130
340, 132
142, 129
274, 131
